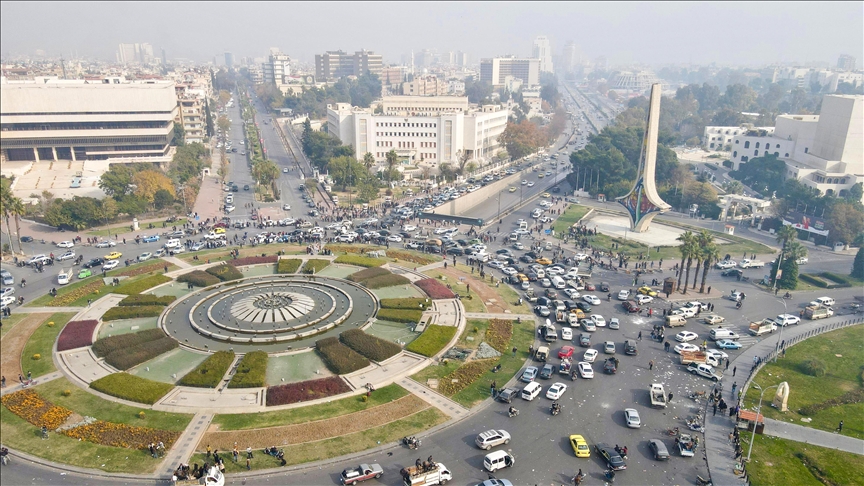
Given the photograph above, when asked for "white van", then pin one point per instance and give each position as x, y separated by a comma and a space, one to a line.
531, 391
498, 460
722, 333
824, 301
559, 283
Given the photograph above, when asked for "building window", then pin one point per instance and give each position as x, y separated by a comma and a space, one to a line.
806, 149
787, 154
756, 153
737, 142
747, 144
757, 144
777, 154
734, 154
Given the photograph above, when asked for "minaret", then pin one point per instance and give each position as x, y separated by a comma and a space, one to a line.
643, 202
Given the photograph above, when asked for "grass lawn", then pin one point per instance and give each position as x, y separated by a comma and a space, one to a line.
42, 342
19, 434
475, 329
9, 323
143, 225
671, 253
46, 299
842, 354
221, 254
337, 446
84, 403
780, 461
568, 218
310, 413
474, 304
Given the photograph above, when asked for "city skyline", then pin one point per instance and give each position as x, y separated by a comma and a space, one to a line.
646, 33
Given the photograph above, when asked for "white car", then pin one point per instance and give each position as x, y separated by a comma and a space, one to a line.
686, 336
572, 293
624, 294
63, 278
524, 182
585, 370
509, 271
7, 291
409, 227
106, 244
555, 391
394, 238
581, 256
590, 355
716, 354
643, 299
518, 246
555, 271
6, 300
631, 416
65, 244
495, 264
546, 283
599, 320
174, 251
66, 256
145, 256
686, 347
803, 261
566, 334
530, 183
591, 299
726, 264
787, 319
110, 265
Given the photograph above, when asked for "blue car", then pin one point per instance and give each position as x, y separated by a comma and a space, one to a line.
728, 344
151, 239
529, 374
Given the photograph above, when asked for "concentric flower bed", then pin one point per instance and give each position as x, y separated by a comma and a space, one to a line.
434, 289
76, 334
305, 391
254, 260
31, 407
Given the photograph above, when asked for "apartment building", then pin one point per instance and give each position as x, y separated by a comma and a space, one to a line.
719, 138
338, 64
277, 68
428, 85
542, 50
496, 70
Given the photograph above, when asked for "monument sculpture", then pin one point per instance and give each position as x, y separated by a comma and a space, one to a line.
643, 202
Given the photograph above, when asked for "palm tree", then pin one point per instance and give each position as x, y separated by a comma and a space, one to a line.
368, 160
686, 249
16, 207
710, 255
703, 239
794, 251
392, 161
786, 234
6, 202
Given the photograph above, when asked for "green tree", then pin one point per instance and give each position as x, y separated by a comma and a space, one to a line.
785, 234
858, 265
162, 199
845, 221
710, 256
179, 137
367, 191
223, 123
368, 160
116, 181
687, 248
704, 240
392, 160
264, 171
764, 174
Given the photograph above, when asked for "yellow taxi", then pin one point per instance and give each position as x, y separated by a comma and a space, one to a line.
219, 231
543, 261
522, 277
540, 175
646, 290
512, 189
545, 194
580, 447
113, 255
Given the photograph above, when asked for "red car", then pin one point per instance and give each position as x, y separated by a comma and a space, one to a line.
631, 306
590, 287
566, 352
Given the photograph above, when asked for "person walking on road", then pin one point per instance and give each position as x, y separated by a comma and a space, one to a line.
651, 365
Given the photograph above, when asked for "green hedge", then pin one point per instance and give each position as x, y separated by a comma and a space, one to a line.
399, 315
385, 281
131, 312
432, 341
372, 347
360, 261
129, 350
315, 265
110, 344
132, 388
845, 280
251, 371
369, 273
198, 278
138, 286
813, 280
147, 299
340, 359
209, 373
288, 265
407, 303
225, 272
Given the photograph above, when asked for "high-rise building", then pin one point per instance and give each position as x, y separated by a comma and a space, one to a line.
367, 61
495, 71
570, 57
543, 51
461, 59
135, 53
229, 60
338, 64
277, 68
846, 63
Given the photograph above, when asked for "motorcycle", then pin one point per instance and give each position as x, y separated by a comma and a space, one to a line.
610, 475
672, 432
23, 283
513, 413
411, 442
702, 481
555, 409
271, 451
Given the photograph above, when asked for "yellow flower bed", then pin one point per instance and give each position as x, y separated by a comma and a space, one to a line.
69, 297
28, 405
122, 435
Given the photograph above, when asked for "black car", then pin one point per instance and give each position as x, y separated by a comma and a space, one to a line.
583, 306
532, 255
517, 267
455, 251
604, 287
433, 249
612, 458
544, 301
532, 276
462, 242
526, 259
610, 366
26, 239
96, 262
731, 272
234, 188
556, 189
547, 371
508, 394
570, 305
585, 340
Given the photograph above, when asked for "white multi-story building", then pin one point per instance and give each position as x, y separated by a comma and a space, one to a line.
420, 128
718, 138
135, 53
52, 119
428, 85
634, 81
822, 151
277, 69
496, 70
846, 63
543, 51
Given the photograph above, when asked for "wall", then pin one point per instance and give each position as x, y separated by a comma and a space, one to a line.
472, 199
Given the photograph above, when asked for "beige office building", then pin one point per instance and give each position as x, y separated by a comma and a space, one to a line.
495, 71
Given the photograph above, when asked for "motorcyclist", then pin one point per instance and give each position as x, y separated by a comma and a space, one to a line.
23, 283
609, 296
513, 411
556, 407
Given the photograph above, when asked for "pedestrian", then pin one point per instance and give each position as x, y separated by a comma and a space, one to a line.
734, 369
651, 365
670, 397
709, 289
840, 427
727, 365
734, 386
640, 336
514, 351
666, 346
209, 450
715, 409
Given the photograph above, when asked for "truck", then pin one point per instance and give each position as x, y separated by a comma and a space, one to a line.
563, 318
818, 312
530, 296
748, 263
658, 395
550, 334
687, 445
435, 474
565, 366
705, 371
762, 327
542, 353
698, 357
361, 473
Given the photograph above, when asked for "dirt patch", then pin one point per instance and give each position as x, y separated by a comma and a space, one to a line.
484, 291
13, 344
318, 430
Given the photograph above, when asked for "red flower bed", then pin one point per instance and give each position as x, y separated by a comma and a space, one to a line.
305, 391
435, 289
254, 260
77, 334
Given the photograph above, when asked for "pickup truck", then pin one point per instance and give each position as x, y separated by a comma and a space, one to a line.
687, 445
762, 327
705, 371
697, 357
747, 263
658, 395
818, 312
437, 474
361, 473
550, 334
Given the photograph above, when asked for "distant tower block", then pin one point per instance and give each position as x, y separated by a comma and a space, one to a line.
643, 202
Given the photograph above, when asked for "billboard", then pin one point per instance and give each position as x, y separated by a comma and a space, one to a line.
805, 222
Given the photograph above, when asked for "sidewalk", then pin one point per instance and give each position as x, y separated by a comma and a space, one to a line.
809, 435
185, 445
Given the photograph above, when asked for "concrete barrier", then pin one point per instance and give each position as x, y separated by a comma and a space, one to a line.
462, 204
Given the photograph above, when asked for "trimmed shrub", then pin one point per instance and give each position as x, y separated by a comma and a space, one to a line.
225, 272
340, 359
76, 334
131, 312
463, 376
128, 350
151, 266
385, 281
435, 289
110, 344
147, 299
813, 280
254, 260
306, 390
432, 341
360, 261
315, 265
141, 285
407, 303
132, 388
353, 248
813, 367
251, 371
367, 274
370, 346
209, 373
198, 278
399, 315
413, 257
498, 334
288, 265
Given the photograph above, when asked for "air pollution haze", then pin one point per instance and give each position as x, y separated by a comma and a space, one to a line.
746, 33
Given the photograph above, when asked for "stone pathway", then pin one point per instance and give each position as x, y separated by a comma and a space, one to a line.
451, 408
185, 445
490, 315
176, 261
45, 310
13, 344
430, 266
809, 435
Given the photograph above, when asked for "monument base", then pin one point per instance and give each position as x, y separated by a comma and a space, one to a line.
658, 234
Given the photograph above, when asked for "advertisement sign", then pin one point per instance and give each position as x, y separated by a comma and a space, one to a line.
805, 222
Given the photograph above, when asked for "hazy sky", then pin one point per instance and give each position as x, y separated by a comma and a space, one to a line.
744, 33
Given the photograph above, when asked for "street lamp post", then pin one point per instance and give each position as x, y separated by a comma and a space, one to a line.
758, 410
782, 325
